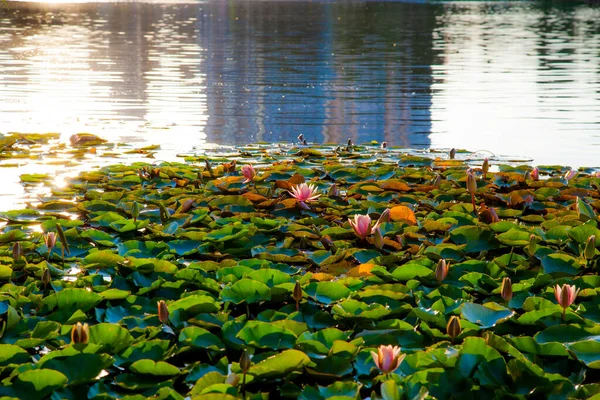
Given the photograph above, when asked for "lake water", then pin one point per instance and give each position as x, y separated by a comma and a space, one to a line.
517, 79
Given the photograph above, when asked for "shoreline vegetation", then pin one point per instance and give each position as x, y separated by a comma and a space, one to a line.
306, 272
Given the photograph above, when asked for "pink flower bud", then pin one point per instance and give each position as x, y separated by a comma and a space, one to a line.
565, 295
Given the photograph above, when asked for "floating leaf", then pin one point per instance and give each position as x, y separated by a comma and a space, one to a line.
403, 213
280, 365
487, 315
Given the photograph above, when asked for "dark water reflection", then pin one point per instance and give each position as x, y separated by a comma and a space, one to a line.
513, 78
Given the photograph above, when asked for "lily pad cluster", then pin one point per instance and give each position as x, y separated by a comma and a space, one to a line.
196, 281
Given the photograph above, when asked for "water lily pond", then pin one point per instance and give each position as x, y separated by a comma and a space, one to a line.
194, 280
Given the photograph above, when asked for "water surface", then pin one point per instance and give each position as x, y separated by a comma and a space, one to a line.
513, 78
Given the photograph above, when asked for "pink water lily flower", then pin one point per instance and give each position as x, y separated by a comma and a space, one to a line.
304, 192
535, 174
249, 173
362, 225
565, 295
388, 358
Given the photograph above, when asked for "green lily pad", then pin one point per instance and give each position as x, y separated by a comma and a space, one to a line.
247, 290
327, 292
280, 365
154, 368
487, 315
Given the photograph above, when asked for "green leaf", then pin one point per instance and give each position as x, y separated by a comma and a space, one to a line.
407, 272
105, 258
327, 292
487, 315
112, 338
514, 237
247, 290
560, 263
11, 354
280, 365
585, 210
71, 299
581, 233
476, 238
78, 367
267, 335
5, 272
588, 352
390, 391
200, 338
195, 304
38, 383
154, 368
149, 349
357, 310
209, 379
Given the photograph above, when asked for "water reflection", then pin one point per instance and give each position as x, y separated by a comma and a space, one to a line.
341, 70
514, 78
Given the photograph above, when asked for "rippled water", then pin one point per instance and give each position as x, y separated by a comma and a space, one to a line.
513, 78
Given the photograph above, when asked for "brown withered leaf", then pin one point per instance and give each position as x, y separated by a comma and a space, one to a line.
395, 185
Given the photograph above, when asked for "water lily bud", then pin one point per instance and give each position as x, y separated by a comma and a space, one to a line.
471, 183
245, 361
232, 379
495, 217
304, 142
486, 166
590, 248
135, 210
301, 137
437, 181
400, 239
163, 312
441, 271
453, 328
80, 334
527, 175
532, 246
384, 217
303, 205
46, 277
452, 153
333, 191
488, 215
349, 142
384, 145
297, 292
328, 244
378, 238
17, 251
50, 240
565, 295
506, 289
208, 168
